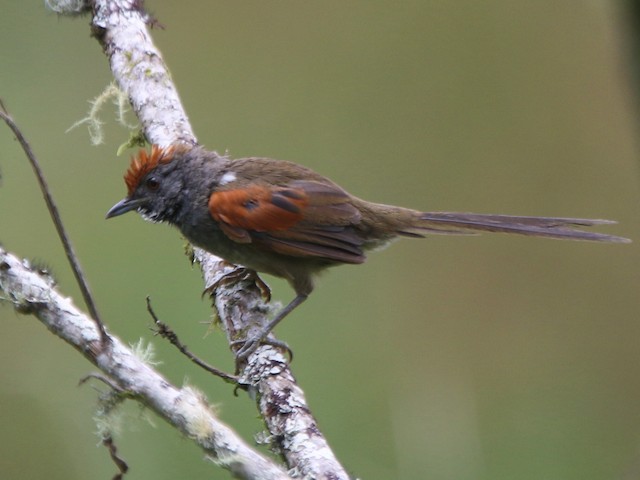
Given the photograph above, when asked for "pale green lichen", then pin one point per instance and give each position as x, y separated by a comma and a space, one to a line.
94, 124
195, 410
136, 139
145, 352
68, 7
108, 418
111, 417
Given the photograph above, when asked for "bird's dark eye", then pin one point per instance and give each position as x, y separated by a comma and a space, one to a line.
152, 183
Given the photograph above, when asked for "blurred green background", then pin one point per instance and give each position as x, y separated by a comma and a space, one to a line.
448, 358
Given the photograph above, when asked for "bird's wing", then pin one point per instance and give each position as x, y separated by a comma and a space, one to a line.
301, 219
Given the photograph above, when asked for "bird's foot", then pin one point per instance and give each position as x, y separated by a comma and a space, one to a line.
251, 344
240, 274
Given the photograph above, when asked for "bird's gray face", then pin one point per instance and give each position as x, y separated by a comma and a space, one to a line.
156, 197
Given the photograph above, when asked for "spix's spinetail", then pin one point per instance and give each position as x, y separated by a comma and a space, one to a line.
284, 219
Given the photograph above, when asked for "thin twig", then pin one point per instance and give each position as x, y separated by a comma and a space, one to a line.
104, 379
119, 461
166, 332
57, 221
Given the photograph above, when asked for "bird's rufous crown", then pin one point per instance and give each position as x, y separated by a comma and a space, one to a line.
144, 162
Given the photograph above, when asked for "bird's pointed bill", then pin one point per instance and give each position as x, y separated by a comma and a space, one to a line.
124, 206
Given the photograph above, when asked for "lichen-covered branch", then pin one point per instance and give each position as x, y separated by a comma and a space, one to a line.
188, 410
281, 401
121, 28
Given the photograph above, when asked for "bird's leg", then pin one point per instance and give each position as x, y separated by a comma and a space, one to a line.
250, 344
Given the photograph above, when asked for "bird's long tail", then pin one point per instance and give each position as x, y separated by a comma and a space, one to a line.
473, 223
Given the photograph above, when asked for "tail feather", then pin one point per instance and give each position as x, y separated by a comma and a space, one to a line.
448, 223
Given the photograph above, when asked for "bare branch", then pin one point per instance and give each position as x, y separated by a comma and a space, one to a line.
57, 221
164, 331
123, 468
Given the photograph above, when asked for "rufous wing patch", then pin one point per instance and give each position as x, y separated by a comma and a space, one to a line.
304, 219
258, 208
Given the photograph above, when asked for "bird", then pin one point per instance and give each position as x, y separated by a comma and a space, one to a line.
284, 219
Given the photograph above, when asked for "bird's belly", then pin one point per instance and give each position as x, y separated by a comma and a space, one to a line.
214, 241
252, 256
